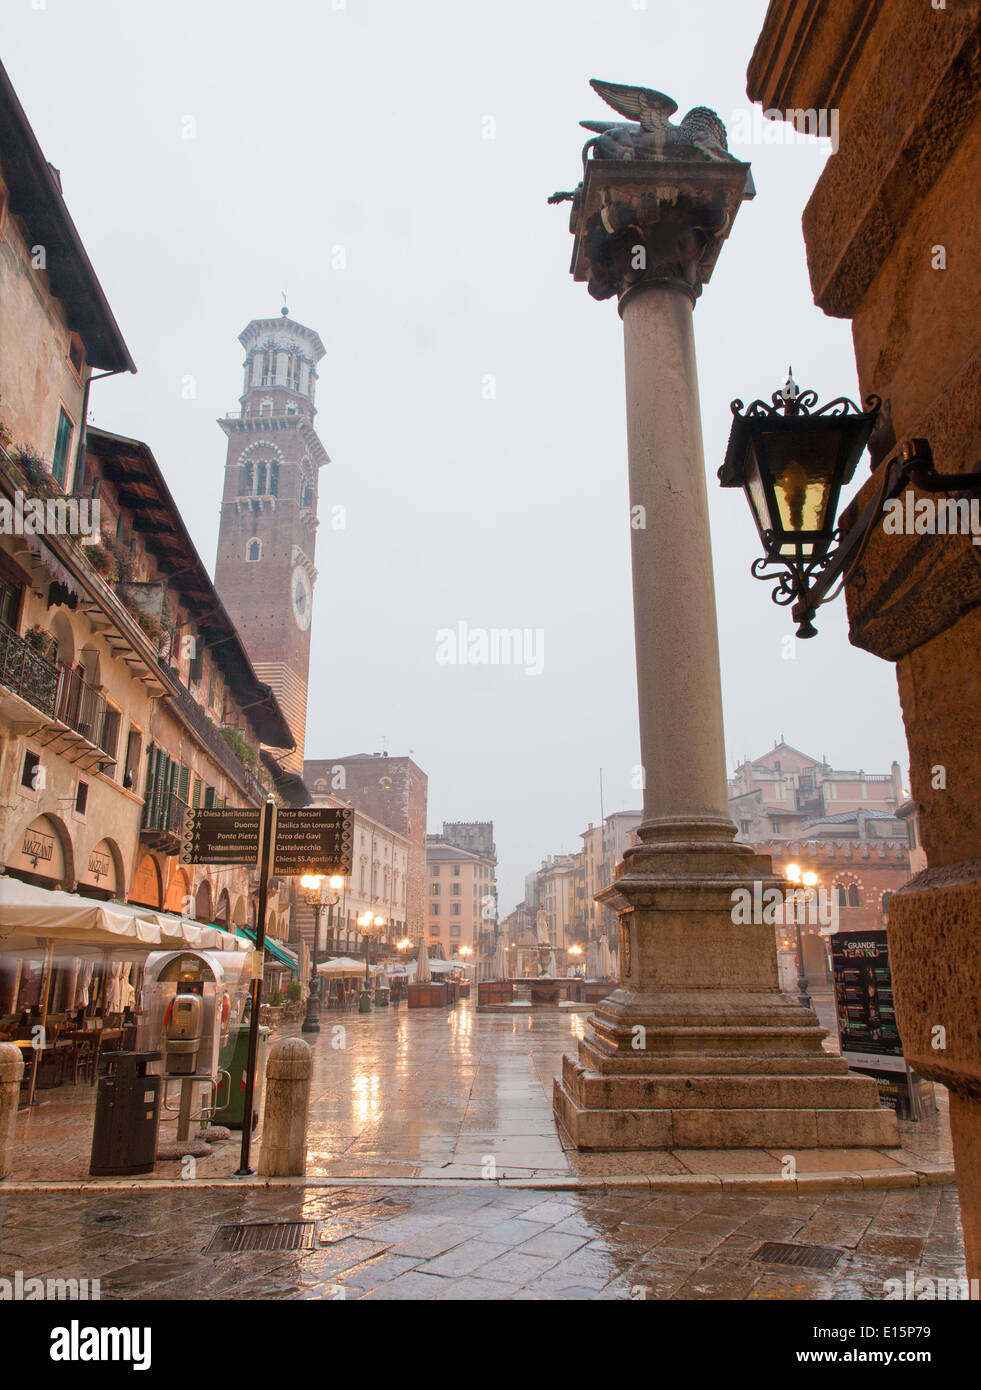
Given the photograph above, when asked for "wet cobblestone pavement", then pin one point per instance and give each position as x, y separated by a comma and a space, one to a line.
482, 1242
421, 1126
436, 1093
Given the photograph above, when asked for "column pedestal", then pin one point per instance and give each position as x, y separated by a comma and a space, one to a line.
698, 1048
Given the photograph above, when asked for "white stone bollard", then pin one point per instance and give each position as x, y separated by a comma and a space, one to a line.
284, 1124
11, 1074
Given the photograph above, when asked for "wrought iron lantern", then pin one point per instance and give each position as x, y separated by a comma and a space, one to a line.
792, 461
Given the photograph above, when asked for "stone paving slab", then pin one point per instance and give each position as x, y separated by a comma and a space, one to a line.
480, 1243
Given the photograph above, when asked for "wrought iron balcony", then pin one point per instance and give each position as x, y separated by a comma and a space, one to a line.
26, 673
212, 739
85, 710
163, 822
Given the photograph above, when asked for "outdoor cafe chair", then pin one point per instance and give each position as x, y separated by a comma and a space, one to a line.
86, 1055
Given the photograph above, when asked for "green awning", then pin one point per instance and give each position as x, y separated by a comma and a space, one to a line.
279, 953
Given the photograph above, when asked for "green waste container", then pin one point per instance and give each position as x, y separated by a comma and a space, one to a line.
234, 1059
381, 995
364, 1002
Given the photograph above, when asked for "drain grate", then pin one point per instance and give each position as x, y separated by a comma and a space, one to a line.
262, 1235
801, 1256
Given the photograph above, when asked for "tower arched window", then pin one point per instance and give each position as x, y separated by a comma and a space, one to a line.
253, 550
306, 494
274, 479
842, 895
854, 900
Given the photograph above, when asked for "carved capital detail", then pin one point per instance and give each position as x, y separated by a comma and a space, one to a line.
653, 223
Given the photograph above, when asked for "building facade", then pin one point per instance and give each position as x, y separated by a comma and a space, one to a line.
462, 891
775, 795
891, 240
125, 693
389, 794
378, 885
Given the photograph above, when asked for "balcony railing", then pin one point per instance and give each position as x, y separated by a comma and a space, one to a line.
85, 710
212, 739
24, 672
163, 814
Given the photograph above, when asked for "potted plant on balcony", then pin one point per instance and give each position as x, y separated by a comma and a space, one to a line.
151, 626
102, 560
240, 746
42, 642
36, 472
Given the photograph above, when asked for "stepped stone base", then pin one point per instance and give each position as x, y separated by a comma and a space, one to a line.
759, 1080
699, 1048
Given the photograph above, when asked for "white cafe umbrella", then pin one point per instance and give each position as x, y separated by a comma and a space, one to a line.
28, 912
423, 974
344, 965
499, 969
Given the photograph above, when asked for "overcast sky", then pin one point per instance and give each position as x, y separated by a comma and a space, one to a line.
387, 164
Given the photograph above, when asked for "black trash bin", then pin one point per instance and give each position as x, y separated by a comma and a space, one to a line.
127, 1113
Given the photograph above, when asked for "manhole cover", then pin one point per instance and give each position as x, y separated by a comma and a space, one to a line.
262, 1235
802, 1256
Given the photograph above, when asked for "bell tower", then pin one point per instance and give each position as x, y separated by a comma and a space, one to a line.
267, 535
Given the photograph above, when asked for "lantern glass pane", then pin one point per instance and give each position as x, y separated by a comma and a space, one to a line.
755, 490
802, 468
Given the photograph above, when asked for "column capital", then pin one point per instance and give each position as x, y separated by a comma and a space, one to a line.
657, 222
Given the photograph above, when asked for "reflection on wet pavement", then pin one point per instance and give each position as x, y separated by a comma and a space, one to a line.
437, 1093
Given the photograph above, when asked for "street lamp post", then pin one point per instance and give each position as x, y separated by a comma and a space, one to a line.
809, 880
369, 926
318, 899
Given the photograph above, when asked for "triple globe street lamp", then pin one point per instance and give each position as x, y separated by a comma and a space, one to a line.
369, 925
807, 879
318, 897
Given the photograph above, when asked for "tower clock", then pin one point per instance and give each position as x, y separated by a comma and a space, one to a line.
267, 536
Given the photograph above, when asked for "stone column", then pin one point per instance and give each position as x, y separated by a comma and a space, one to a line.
698, 1047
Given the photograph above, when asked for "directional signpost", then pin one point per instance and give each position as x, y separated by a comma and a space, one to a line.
282, 843
314, 840
220, 837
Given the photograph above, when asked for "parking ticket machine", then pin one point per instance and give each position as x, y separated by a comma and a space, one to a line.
184, 1024
191, 1001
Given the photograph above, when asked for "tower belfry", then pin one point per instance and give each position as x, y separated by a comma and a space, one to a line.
267, 536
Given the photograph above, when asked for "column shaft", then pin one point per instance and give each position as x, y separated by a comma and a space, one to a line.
678, 679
